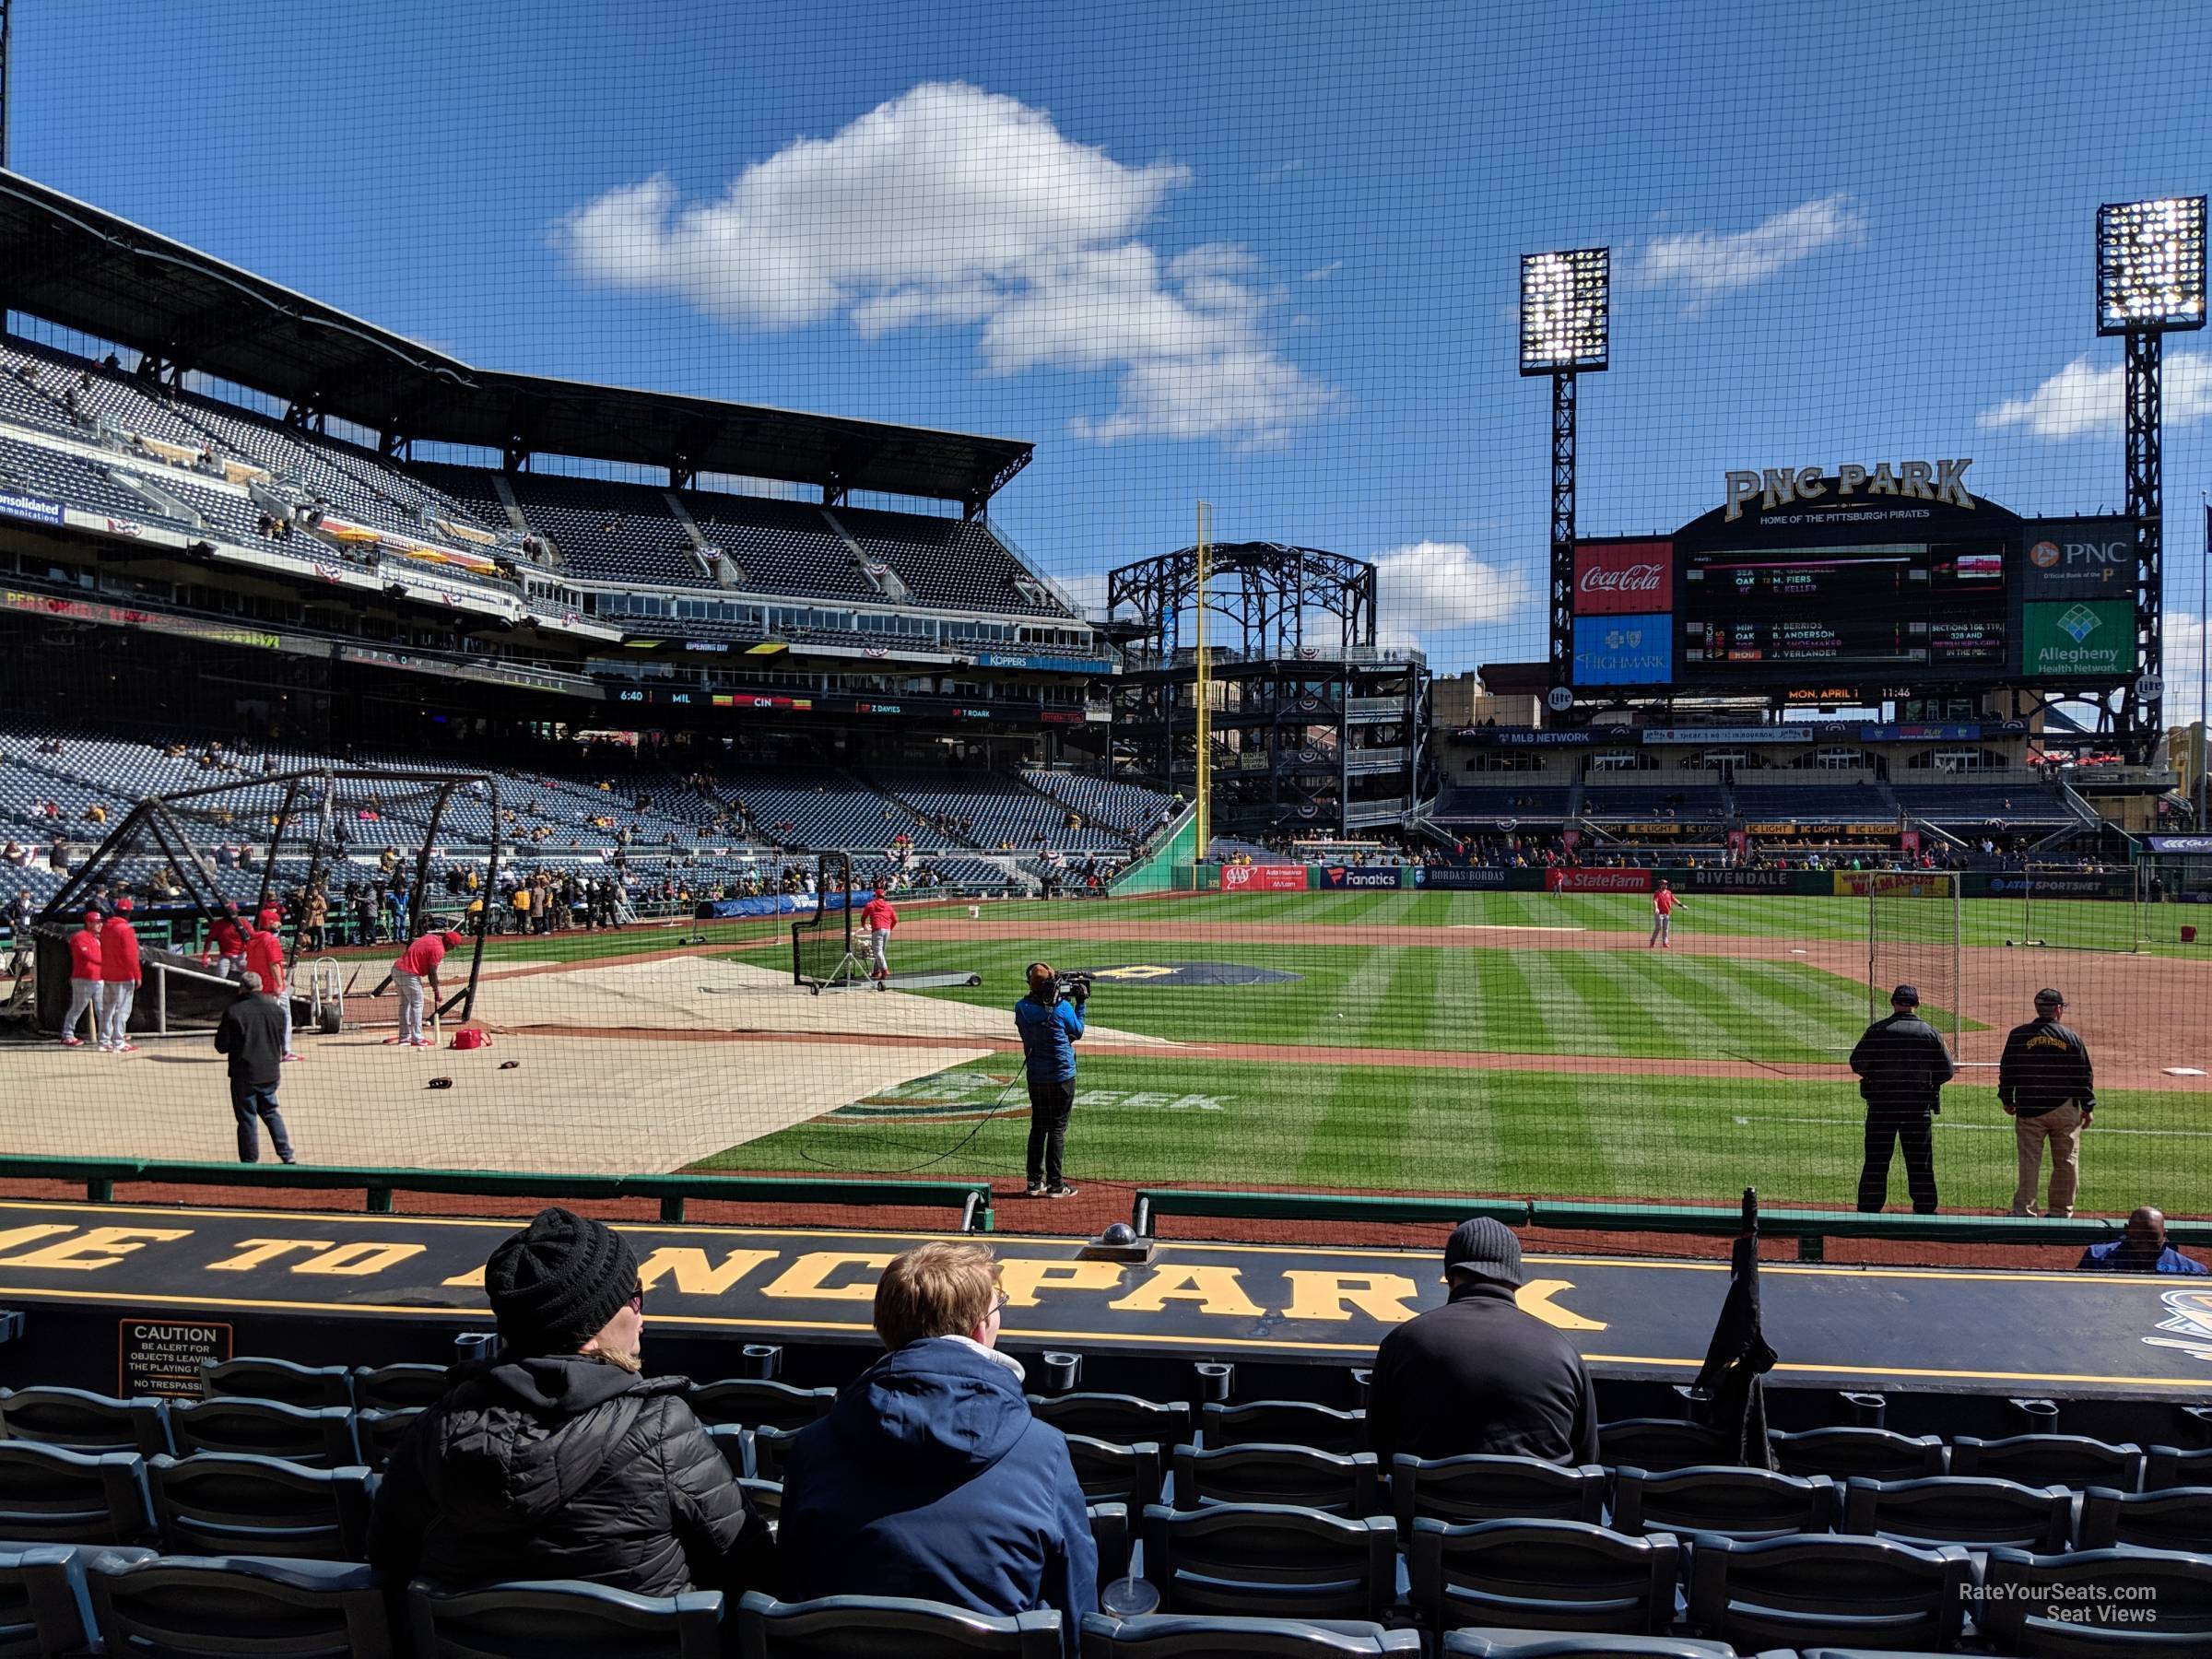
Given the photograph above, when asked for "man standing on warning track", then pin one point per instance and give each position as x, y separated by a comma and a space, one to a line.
417, 967
265, 957
2049, 1090
877, 916
228, 943
1663, 917
84, 978
118, 977
1903, 1066
1051, 1026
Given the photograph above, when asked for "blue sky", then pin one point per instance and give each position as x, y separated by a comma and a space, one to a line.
1261, 254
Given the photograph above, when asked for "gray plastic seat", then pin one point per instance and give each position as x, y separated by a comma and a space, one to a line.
1283, 1423
1190, 1636
1657, 1444
2022, 1593
561, 1619
885, 1627
1723, 1499
1479, 1487
1843, 1591
1541, 1575
401, 1387
1270, 1560
180, 1605
1121, 1419
320, 1438
2175, 1518
766, 1449
256, 1378
220, 1504
2172, 1466
44, 1609
51, 1495
82, 1421
1842, 1452
759, 1403
1339, 1484
1977, 1512
1112, 1474
1526, 1644
2069, 1460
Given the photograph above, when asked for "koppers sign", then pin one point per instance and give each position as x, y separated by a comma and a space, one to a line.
1624, 579
1264, 879
1344, 876
1598, 881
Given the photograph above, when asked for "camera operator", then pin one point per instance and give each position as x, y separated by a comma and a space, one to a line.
1050, 1020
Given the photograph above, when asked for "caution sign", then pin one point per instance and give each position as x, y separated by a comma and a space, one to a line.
163, 1356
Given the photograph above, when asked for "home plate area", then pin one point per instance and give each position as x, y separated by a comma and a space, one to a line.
1175, 976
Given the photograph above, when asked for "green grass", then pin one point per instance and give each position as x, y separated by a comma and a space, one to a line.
1634, 1003
1399, 1129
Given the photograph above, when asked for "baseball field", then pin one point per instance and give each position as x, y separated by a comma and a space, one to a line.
1532, 1043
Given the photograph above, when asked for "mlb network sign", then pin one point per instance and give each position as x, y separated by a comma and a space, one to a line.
2079, 557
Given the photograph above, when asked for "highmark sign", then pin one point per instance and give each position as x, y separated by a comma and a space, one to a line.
1775, 487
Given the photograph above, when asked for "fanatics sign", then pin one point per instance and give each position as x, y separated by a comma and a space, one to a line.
1624, 579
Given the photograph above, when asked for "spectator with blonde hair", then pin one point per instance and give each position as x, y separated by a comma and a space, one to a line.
929, 1478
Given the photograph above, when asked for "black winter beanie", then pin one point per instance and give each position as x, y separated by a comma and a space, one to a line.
554, 1284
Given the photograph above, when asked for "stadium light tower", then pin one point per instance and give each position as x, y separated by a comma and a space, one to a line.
2150, 283
1565, 301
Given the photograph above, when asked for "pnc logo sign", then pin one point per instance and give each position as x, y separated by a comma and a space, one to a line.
2043, 556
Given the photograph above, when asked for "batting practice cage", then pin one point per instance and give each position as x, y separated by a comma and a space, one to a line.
1485, 582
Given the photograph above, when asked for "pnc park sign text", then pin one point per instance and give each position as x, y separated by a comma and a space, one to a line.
1781, 486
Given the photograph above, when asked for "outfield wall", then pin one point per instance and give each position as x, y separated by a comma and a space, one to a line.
1607, 878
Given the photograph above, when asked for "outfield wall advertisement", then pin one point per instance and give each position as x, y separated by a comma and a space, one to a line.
1576, 880
1264, 879
1467, 878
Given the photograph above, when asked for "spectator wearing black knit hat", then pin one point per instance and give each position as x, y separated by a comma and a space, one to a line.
1477, 1375
558, 1459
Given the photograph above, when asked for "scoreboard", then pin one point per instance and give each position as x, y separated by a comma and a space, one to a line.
1898, 596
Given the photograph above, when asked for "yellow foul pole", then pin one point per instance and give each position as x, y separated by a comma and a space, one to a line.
1201, 684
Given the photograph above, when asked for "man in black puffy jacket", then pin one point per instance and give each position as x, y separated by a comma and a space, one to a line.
1903, 1066
558, 1459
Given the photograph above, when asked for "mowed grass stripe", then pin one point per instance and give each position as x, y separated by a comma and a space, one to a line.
1740, 1017
1367, 1123
1693, 1012
1570, 1008
1833, 1008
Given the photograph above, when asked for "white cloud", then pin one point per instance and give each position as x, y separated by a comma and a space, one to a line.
953, 206
1430, 588
2083, 398
1708, 263
1322, 273
2185, 639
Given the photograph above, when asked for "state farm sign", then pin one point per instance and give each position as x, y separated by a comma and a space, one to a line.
1624, 579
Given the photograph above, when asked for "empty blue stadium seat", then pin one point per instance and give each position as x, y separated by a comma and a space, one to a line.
2034, 1605
1112, 1474
399, 1387
51, 1495
1732, 1502
2072, 1460
754, 1403
1545, 1575
884, 1627
1977, 1512
1190, 1636
320, 1438
182, 1606
262, 1379
45, 1610
221, 1504
1121, 1418
561, 1619
1479, 1487
2174, 1518
1341, 1484
1271, 1560
1284, 1423
1843, 1591
1841, 1453
1658, 1444
1526, 1644
82, 1421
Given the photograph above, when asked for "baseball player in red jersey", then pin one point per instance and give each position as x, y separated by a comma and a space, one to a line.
118, 977
84, 978
264, 956
1663, 917
228, 943
877, 916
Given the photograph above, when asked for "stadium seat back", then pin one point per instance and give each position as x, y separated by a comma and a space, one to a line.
278, 1379
380, 1433
220, 1504
320, 1438
757, 1402
1479, 1487
1113, 1538
1119, 1420
1977, 1512
767, 1499
51, 1495
399, 1387
884, 1627
2068, 1460
45, 1610
1188, 1636
1284, 1423
82, 1421
1842, 1452
1346, 1484
2176, 1518
1542, 1575
1525, 1645
2032, 1605
182, 1607
1270, 1560
2172, 1466
769, 1448
561, 1619
1112, 1474
1787, 1593
1658, 1444
1733, 1501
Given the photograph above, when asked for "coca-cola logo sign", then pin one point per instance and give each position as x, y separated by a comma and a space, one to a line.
1624, 579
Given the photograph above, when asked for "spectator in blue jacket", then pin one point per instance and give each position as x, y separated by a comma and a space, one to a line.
1050, 1025
929, 1478
2141, 1249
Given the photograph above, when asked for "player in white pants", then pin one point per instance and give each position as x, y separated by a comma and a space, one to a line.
1663, 916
